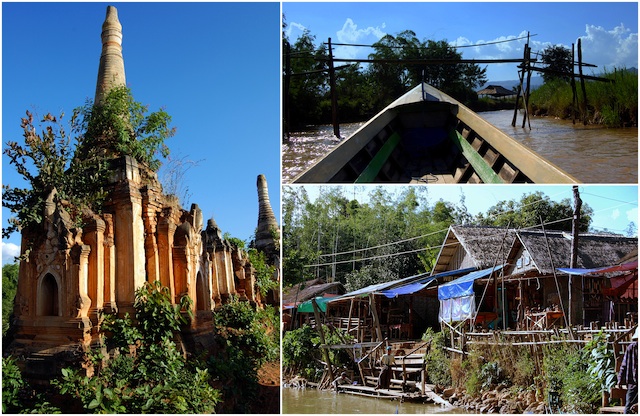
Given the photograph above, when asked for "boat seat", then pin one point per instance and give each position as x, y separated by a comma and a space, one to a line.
369, 173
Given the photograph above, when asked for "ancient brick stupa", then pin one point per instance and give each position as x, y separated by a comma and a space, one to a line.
73, 274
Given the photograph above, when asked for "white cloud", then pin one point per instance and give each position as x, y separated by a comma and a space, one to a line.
615, 214
349, 33
9, 252
617, 47
294, 30
632, 215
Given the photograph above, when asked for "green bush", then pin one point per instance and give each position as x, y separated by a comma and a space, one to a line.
12, 383
249, 338
437, 362
299, 351
613, 104
253, 331
566, 372
147, 372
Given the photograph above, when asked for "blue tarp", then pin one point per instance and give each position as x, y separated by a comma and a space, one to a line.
402, 286
600, 270
463, 286
406, 289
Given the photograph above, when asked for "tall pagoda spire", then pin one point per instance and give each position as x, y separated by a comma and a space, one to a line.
267, 224
111, 71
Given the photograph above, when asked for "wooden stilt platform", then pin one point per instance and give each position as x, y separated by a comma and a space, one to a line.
368, 391
612, 409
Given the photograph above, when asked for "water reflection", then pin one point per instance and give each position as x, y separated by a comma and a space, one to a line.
592, 154
312, 401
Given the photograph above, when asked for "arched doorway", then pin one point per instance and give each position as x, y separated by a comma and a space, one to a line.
201, 293
48, 297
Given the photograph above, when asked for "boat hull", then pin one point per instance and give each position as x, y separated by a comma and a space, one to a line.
428, 137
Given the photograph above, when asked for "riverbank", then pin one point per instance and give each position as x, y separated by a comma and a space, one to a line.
611, 104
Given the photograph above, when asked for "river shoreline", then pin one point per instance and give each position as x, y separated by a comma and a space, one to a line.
497, 399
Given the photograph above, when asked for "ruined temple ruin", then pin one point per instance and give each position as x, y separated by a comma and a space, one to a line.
72, 274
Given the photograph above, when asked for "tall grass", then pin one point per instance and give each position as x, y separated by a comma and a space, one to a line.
613, 104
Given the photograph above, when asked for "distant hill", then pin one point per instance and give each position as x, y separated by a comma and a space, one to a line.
536, 81
509, 84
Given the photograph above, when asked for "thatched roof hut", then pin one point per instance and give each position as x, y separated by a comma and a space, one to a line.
473, 246
593, 251
304, 291
496, 91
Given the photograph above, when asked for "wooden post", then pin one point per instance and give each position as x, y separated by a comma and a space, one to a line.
374, 313
525, 95
350, 316
575, 230
325, 352
573, 84
584, 90
334, 96
286, 87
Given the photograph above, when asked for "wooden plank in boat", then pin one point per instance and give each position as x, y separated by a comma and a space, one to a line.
483, 170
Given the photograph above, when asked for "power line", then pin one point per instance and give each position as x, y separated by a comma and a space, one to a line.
622, 203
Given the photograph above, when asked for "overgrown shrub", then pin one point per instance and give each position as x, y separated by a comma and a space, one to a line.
299, 352
147, 372
565, 368
249, 337
437, 362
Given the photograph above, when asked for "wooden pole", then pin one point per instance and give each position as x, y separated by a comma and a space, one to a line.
575, 230
374, 313
287, 85
525, 95
573, 84
325, 351
584, 90
334, 97
350, 315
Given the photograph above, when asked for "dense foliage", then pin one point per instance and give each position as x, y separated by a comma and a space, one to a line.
613, 104
301, 353
566, 376
79, 174
362, 91
396, 233
559, 60
249, 337
9, 287
146, 371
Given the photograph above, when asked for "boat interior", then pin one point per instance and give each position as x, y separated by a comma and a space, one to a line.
426, 142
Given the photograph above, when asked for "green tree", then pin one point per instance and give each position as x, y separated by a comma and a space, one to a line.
308, 84
531, 209
47, 160
248, 337
9, 288
558, 59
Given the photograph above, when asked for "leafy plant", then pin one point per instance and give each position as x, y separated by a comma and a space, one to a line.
12, 383
437, 361
249, 338
47, 160
9, 288
602, 363
121, 126
146, 371
17, 394
298, 351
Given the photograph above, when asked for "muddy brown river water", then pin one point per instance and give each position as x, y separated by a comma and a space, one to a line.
312, 401
592, 154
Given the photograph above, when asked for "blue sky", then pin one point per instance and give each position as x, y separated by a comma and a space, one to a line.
614, 206
214, 67
609, 30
